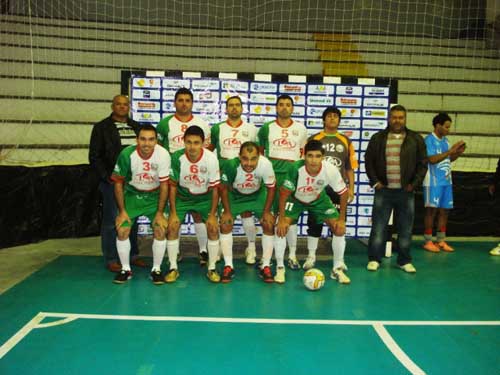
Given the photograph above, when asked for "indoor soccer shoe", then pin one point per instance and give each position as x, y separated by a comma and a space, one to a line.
430, 246
339, 275
495, 251
408, 268
122, 277
309, 263
266, 275
213, 276
156, 277
203, 258
250, 256
373, 265
227, 274
293, 264
445, 247
172, 275
280, 275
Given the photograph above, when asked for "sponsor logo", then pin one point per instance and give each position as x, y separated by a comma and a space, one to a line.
321, 89
263, 87
144, 178
289, 88
376, 91
306, 189
320, 182
146, 82
147, 105
235, 85
231, 142
375, 113
205, 84
320, 100
247, 185
284, 143
203, 169
178, 139
339, 148
348, 101
376, 102
335, 161
194, 179
175, 83
263, 98
330, 211
288, 185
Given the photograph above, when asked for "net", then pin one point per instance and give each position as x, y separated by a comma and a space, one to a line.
62, 61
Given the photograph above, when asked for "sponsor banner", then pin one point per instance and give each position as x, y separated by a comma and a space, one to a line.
362, 167
168, 95
321, 89
361, 157
234, 86
146, 94
263, 98
347, 123
262, 109
206, 96
378, 113
365, 221
260, 120
320, 100
364, 211
350, 112
168, 107
263, 87
351, 210
363, 178
376, 102
352, 134
349, 90
367, 134
225, 95
206, 107
376, 91
314, 123
364, 146
342, 101
292, 88
374, 124
298, 99
350, 232
222, 110
315, 111
355, 144
299, 111
365, 189
140, 105
363, 232
150, 117
366, 199
212, 118
350, 220
206, 84
146, 83
175, 84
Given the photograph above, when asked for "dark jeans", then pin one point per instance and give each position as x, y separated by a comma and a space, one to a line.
403, 204
108, 230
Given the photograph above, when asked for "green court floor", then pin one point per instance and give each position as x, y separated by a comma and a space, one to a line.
443, 320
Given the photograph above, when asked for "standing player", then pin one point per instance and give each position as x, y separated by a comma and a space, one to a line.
282, 141
304, 190
171, 136
248, 187
194, 179
141, 188
339, 152
438, 189
226, 138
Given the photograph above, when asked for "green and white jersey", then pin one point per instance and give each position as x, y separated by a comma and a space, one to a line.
282, 145
307, 188
227, 139
194, 177
171, 131
140, 174
247, 183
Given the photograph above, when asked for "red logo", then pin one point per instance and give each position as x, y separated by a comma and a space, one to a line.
145, 178
231, 142
194, 179
179, 139
306, 189
246, 185
284, 143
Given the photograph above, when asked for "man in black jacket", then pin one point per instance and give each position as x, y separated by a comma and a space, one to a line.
108, 138
396, 165
492, 188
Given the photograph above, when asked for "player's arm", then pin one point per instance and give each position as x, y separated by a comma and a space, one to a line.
160, 219
172, 193
283, 225
453, 153
120, 203
212, 215
350, 179
267, 216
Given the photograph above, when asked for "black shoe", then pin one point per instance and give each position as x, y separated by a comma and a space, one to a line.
157, 278
227, 274
203, 258
122, 277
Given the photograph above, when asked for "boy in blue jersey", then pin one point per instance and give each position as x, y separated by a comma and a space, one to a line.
438, 189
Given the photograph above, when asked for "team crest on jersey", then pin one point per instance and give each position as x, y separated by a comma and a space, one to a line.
288, 184
154, 166
284, 143
339, 148
203, 169
320, 182
244, 133
330, 211
224, 177
295, 132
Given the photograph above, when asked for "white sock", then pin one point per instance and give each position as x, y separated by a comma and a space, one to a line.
312, 246
250, 231
201, 236
172, 251
123, 249
267, 249
213, 251
226, 245
338, 248
159, 248
279, 250
291, 239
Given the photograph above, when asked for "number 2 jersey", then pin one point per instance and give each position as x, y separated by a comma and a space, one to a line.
227, 139
246, 183
307, 188
194, 178
171, 131
140, 174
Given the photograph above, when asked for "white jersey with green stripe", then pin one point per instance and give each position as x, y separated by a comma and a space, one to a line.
248, 182
307, 188
228, 139
171, 131
194, 177
142, 174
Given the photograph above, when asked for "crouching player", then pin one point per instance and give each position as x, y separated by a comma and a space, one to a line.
304, 190
248, 186
194, 179
141, 188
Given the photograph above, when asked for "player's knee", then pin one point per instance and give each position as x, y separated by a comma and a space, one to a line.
159, 233
226, 228
123, 233
213, 232
173, 231
268, 228
197, 217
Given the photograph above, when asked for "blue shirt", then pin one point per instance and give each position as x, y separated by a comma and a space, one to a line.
438, 174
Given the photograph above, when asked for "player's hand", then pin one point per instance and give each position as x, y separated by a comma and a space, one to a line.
268, 218
350, 198
282, 228
379, 186
339, 227
122, 218
160, 221
226, 218
491, 189
409, 188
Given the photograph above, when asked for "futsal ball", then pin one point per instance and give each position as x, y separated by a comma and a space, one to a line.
314, 279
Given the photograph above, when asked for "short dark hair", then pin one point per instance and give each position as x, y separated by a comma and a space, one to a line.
440, 118
284, 97
183, 91
195, 130
147, 127
329, 110
399, 108
233, 97
314, 145
249, 146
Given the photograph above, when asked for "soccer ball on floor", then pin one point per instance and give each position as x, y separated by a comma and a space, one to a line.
314, 279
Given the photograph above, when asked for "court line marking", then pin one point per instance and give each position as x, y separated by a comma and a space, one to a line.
378, 325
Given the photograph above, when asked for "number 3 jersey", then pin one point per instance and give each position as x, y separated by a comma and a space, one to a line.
171, 131
307, 188
227, 139
142, 174
246, 183
194, 177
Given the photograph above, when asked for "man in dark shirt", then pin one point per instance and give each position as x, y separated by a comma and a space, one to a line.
492, 188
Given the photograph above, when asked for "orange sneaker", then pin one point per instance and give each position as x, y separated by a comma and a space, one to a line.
430, 246
445, 247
